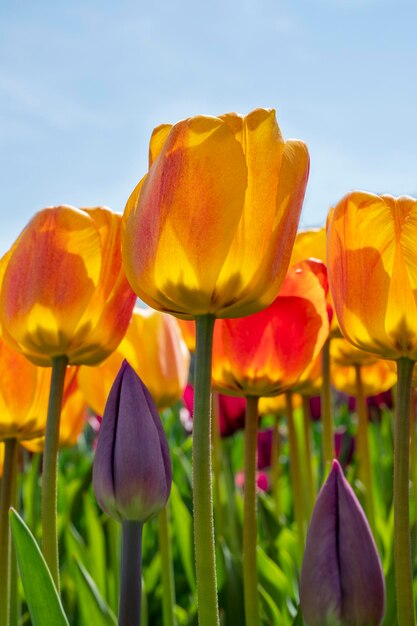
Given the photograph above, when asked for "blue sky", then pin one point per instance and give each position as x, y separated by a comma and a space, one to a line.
83, 83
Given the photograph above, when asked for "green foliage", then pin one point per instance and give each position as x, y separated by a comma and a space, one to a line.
41, 595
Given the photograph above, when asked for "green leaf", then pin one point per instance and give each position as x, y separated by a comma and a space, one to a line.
182, 523
41, 595
96, 545
93, 608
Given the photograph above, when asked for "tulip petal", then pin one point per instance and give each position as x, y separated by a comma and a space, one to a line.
341, 580
132, 472
62, 248
157, 141
268, 268
265, 353
377, 310
181, 216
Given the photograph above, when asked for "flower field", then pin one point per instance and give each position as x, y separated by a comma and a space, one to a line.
207, 415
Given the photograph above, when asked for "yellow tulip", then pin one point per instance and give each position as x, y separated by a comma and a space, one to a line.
154, 347
344, 354
373, 272
210, 228
277, 405
376, 377
64, 292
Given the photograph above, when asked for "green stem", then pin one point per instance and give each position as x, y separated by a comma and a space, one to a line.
168, 587
131, 578
208, 614
311, 489
326, 410
217, 467
250, 571
365, 471
413, 456
275, 467
113, 534
295, 472
7, 497
50, 468
402, 542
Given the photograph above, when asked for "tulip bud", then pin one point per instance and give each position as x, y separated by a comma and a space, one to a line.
132, 472
342, 583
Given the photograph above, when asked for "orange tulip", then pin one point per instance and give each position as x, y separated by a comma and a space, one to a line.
210, 229
24, 390
154, 347
188, 332
373, 272
266, 353
64, 292
73, 415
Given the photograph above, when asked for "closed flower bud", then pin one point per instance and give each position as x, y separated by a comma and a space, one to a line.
132, 472
342, 583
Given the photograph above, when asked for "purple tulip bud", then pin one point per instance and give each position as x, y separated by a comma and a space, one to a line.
342, 583
132, 472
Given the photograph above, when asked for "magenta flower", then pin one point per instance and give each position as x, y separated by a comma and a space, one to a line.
342, 583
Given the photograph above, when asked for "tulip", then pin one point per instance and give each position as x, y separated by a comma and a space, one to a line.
377, 313
262, 481
188, 332
344, 445
376, 377
266, 353
132, 475
132, 468
73, 416
75, 301
155, 349
265, 441
342, 582
23, 395
218, 211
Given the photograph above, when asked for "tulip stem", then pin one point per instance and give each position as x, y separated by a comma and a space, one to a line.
402, 540
205, 556
217, 467
250, 571
275, 468
295, 472
168, 587
365, 471
50, 468
7, 498
311, 489
326, 410
131, 575
413, 457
